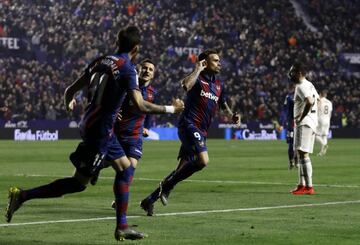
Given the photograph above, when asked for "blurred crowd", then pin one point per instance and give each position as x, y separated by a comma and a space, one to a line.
258, 40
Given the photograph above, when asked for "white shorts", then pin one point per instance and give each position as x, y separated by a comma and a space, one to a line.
323, 130
304, 139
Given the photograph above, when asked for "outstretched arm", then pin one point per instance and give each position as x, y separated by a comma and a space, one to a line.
150, 108
188, 82
71, 90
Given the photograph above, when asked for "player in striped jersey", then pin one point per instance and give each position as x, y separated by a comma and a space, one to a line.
132, 125
205, 92
108, 79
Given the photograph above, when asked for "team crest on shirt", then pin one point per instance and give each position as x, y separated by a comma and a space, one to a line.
201, 143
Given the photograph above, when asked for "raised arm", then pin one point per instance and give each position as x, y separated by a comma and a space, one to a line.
188, 82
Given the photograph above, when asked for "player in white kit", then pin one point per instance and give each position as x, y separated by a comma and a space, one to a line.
306, 121
324, 116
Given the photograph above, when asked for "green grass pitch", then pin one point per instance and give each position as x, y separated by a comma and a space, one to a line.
243, 197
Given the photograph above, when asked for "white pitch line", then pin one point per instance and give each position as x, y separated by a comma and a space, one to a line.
201, 181
187, 213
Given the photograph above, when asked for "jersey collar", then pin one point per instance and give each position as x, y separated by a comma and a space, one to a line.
207, 77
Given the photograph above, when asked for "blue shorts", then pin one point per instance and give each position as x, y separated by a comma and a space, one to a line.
132, 148
193, 142
89, 156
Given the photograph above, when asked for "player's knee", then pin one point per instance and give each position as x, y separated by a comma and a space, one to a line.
203, 162
79, 187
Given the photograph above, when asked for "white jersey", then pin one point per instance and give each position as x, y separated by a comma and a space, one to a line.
303, 90
324, 113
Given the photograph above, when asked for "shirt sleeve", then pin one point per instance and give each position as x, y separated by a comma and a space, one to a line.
131, 78
304, 92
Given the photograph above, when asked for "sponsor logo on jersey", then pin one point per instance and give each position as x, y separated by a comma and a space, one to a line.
209, 95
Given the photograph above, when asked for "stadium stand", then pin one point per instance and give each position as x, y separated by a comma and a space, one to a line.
258, 41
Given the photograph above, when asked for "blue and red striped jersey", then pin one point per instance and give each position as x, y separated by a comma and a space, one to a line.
201, 102
131, 125
110, 77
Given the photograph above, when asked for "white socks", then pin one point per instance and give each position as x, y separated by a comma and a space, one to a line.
305, 172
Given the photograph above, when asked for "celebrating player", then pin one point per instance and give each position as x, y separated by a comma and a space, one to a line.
131, 124
306, 120
205, 92
108, 79
324, 114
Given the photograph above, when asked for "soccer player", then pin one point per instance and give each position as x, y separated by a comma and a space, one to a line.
306, 120
108, 79
287, 122
205, 92
324, 115
131, 124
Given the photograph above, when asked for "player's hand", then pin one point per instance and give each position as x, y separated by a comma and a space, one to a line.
236, 118
178, 105
70, 105
201, 65
145, 132
279, 128
4, 109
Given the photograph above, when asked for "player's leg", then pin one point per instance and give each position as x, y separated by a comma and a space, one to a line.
304, 148
124, 175
147, 203
134, 163
321, 137
186, 170
301, 178
57, 188
193, 157
123, 178
193, 154
291, 154
325, 140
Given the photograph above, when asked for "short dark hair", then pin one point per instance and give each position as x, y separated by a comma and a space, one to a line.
204, 55
127, 39
147, 60
299, 67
